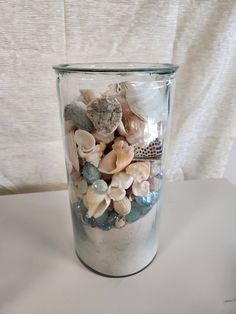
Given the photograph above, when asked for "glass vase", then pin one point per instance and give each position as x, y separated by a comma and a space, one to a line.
115, 119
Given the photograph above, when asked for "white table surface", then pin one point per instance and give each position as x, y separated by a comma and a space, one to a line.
195, 271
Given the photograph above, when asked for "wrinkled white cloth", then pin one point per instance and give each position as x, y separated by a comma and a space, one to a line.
197, 35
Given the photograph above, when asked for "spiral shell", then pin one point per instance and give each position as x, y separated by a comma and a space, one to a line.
85, 141
122, 207
117, 159
95, 203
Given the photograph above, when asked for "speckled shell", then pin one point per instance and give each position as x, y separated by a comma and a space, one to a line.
95, 203
105, 113
72, 150
152, 151
140, 171
122, 207
141, 188
116, 160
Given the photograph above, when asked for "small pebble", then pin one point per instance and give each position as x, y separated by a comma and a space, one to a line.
100, 186
90, 173
148, 200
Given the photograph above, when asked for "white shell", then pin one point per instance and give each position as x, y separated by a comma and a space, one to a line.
105, 138
116, 193
123, 206
72, 150
95, 203
147, 100
140, 171
93, 156
122, 180
141, 188
84, 140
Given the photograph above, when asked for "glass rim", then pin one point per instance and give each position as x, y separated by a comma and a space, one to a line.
117, 67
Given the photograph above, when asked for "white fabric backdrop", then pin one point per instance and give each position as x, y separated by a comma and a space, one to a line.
198, 35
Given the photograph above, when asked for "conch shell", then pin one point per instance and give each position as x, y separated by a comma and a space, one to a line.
122, 180
141, 188
122, 207
105, 138
72, 150
117, 159
116, 193
95, 203
140, 171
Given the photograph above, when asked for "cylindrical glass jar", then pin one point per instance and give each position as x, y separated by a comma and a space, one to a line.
115, 119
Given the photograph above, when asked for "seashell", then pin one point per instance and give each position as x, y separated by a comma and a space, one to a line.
152, 151
76, 111
155, 167
84, 140
147, 100
93, 156
95, 203
105, 114
117, 159
141, 188
123, 206
121, 129
119, 223
116, 193
122, 180
88, 95
115, 90
72, 150
69, 126
90, 173
100, 186
140, 171
105, 138
154, 183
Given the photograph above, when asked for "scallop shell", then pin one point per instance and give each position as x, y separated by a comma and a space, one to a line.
140, 171
122, 207
117, 159
105, 114
116, 193
76, 111
85, 141
95, 203
147, 100
93, 156
105, 138
141, 188
152, 151
88, 95
72, 150
122, 180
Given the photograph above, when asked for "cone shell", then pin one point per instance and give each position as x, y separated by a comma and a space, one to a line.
72, 150
141, 188
95, 203
116, 193
122, 180
122, 207
140, 171
116, 160
84, 140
